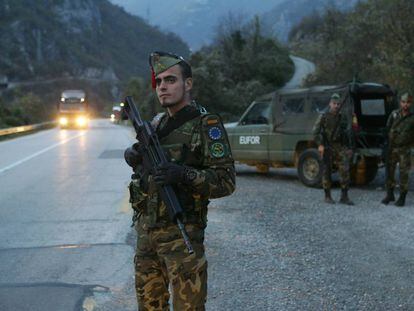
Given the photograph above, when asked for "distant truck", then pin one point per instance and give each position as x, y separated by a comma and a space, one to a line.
73, 109
116, 114
276, 129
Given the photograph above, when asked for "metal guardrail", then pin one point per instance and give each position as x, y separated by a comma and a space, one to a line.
25, 128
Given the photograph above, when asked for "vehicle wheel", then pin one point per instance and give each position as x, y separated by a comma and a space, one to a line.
364, 171
262, 168
310, 168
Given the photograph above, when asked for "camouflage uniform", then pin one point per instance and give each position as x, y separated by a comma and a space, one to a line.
336, 144
162, 259
400, 140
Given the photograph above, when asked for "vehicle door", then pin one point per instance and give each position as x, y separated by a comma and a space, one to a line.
249, 139
290, 124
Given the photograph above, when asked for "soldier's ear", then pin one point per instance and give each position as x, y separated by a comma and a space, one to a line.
188, 84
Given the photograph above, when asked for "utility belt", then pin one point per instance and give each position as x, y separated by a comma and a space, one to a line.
154, 212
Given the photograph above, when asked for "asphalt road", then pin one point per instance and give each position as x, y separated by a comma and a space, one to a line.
64, 217
303, 68
66, 243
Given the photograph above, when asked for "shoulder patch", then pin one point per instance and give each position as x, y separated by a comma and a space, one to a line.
210, 119
215, 133
217, 150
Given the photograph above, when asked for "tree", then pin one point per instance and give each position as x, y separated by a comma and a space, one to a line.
241, 65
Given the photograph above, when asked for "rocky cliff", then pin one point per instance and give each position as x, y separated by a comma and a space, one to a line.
90, 39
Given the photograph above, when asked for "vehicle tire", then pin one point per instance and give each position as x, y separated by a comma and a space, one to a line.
310, 168
364, 171
262, 168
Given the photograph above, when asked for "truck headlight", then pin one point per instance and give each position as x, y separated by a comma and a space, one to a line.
81, 121
63, 121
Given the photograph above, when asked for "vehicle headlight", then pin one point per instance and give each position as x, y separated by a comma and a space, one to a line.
112, 117
81, 121
63, 121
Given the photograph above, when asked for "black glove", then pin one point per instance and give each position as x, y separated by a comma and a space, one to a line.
171, 173
134, 155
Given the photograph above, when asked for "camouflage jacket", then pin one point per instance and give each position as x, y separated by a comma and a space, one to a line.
200, 143
400, 129
325, 125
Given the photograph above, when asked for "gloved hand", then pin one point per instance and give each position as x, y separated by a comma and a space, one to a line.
134, 155
172, 173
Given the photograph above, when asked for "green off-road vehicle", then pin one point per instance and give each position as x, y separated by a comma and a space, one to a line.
276, 129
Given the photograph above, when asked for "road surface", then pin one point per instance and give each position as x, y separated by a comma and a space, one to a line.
66, 242
64, 217
303, 68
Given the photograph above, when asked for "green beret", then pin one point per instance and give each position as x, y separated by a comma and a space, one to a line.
335, 97
161, 61
406, 97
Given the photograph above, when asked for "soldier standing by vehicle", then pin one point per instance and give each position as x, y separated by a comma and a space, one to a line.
334, 140
200, 168
400, 128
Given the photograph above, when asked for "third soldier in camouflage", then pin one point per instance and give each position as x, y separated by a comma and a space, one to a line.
400, 127
335, 144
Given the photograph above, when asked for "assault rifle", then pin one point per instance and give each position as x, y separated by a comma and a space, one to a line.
155, 156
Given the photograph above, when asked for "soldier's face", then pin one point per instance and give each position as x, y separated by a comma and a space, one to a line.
171, 88
405, 105
334, 106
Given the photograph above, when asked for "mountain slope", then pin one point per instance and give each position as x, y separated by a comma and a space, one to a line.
193, 20
279, 21
91, 39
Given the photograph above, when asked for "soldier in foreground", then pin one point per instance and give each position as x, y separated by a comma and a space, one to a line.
400, 129
335, 143
200, 168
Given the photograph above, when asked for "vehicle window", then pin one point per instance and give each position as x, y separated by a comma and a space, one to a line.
258, 114
293, 105
373, 107
319, 104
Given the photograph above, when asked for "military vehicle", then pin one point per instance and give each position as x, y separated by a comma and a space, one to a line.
276, 129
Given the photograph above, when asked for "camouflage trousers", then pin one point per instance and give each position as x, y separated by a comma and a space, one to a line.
400, 155
339, 156
162, 262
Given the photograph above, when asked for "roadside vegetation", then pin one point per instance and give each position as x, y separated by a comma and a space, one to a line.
229, 74
374, 41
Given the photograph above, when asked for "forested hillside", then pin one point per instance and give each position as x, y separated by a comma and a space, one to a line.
83, 38
60, 44
374, 41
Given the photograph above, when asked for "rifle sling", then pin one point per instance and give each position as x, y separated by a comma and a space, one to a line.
175, 123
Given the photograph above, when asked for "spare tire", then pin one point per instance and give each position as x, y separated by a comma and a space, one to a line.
310, 168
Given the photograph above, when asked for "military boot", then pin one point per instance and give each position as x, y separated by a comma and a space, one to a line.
344, 197
328, 198
401, 199
389, 197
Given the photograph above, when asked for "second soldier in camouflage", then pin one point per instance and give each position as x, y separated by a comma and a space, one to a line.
333, 137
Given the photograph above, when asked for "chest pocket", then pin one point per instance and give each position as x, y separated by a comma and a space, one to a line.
176, 152
178, 144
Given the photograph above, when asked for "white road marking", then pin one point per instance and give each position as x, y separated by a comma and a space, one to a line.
2, 170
